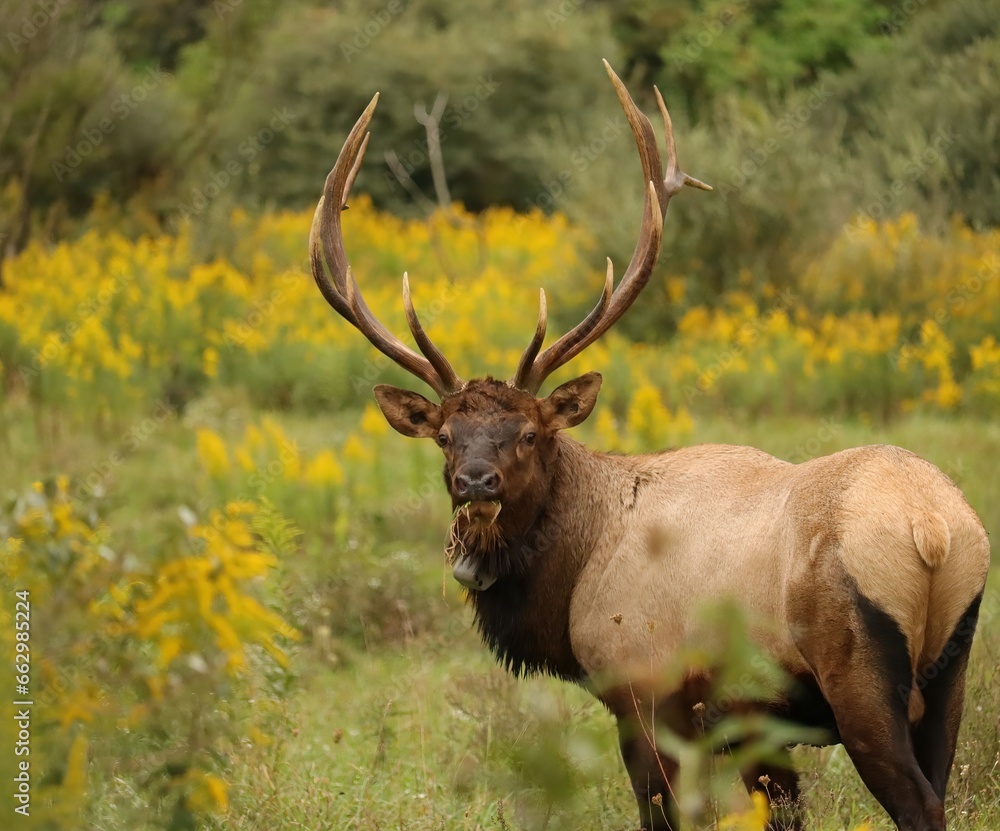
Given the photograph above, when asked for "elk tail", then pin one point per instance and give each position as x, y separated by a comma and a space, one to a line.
932, 537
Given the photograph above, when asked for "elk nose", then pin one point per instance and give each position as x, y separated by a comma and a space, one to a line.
477, 484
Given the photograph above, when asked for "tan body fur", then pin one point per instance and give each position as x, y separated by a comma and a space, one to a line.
717, 521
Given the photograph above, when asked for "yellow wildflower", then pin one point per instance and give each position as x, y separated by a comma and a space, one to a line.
324, 470
210, 361
212, 452
373, 423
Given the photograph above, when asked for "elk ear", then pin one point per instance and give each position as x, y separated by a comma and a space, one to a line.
571, 403
408, 412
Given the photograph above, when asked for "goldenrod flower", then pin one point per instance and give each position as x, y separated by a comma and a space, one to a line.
212, 452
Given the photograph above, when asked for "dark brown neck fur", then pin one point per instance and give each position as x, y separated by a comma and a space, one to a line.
524, 616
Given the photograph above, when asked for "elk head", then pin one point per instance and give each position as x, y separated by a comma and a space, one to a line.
499, 439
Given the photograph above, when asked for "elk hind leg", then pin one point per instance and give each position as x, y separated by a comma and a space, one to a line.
861, 680
942, 684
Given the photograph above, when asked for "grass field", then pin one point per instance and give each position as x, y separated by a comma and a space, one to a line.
394, 716
432, 737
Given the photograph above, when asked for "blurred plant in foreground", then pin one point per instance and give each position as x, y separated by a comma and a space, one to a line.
143, 666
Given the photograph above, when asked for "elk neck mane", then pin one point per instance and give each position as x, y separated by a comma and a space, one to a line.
524, 617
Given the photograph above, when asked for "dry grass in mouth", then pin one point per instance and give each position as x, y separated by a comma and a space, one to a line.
473, 526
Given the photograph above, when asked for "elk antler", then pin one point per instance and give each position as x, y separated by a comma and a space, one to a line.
533, 368
326, 244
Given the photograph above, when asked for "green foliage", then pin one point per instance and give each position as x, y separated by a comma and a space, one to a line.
706, 49
906, 125
143, 665
919, 120
321, 66
154, 33
741, 672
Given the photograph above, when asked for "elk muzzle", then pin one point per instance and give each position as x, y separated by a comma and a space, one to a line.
477, 482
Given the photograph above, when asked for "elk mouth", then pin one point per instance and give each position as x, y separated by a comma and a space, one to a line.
481, 512
474, 540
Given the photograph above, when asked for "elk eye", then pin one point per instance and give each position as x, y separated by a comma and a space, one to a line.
529, 438
442, 439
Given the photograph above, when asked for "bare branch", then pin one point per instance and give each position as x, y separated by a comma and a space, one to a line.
431, 122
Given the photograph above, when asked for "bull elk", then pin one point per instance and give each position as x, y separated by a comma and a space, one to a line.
869, 563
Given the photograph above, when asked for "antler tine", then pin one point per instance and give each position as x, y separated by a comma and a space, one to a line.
340, 288
531, 352
432, 353
354, 169
668, 134
613, 304
529, 377
335, 192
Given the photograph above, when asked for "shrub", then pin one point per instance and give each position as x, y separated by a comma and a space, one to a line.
142, 667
